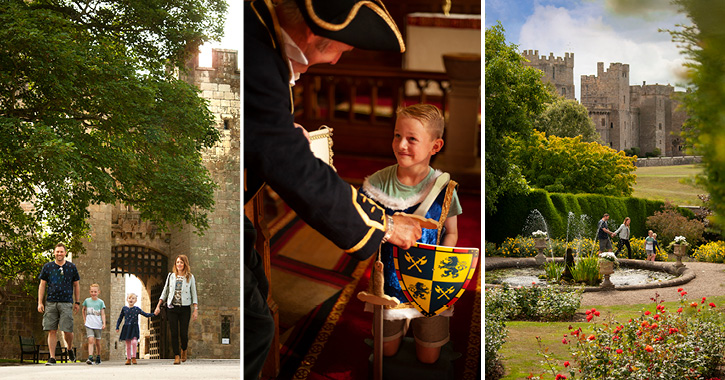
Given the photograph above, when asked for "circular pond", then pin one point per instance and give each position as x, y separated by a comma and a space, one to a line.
632, 274
533, 275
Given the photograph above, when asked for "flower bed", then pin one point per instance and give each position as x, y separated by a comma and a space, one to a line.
686, 343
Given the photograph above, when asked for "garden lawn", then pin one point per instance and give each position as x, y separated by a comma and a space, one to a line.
663, 183
521, 351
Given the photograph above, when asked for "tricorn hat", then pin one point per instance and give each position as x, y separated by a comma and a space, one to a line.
363, 24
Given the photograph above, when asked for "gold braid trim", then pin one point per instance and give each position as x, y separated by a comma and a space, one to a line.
446, 207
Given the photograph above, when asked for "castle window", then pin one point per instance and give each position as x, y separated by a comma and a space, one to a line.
603, 122
660, 126
563, 91
610, 144
227, 123
611, 125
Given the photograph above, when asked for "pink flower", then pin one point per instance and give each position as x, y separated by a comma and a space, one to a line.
563, 341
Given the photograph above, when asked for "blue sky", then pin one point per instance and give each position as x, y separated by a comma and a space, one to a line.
608, 31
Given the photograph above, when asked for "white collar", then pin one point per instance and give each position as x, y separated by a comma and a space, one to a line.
294, 53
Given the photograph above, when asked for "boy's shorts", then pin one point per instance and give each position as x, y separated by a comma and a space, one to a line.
58, 316
649, 252
428, 331
96, 333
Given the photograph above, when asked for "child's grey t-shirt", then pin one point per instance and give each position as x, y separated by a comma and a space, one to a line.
387, 181
93, 313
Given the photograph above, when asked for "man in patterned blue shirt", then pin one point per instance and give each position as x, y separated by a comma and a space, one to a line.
62, 280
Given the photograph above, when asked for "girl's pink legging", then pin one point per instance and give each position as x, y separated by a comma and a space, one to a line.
131, 348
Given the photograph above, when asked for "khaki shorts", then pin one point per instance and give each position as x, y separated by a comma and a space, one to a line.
96, 333
428, 331
58, 316
605, 245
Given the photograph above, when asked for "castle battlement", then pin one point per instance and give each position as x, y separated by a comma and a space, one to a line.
535, 59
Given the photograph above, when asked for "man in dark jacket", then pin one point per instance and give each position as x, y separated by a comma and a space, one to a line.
280, 42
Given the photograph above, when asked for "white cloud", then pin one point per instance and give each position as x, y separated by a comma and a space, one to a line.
595, 35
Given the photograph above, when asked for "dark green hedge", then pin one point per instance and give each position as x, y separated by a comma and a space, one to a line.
512, 212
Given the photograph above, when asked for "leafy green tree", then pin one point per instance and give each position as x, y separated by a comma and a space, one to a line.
515, 94
90, 113
569, 165
567, 118
703, 43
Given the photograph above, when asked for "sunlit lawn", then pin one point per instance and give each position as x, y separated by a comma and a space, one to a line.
664, 183
521, 351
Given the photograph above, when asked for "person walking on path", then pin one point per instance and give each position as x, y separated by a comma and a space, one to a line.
94, 315
62, 281
131, 332
179, 294
623, 233
603, 234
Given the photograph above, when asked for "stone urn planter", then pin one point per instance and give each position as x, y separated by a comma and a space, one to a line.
680, 251
540, 245
606, 268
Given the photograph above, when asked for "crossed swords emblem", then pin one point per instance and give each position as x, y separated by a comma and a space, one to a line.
415, 262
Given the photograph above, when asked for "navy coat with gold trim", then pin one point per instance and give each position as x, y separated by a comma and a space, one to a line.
277, 153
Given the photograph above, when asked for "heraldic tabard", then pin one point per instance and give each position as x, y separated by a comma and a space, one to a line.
434, 277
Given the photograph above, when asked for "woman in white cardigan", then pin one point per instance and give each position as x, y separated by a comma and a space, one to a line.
623, 232
179, 294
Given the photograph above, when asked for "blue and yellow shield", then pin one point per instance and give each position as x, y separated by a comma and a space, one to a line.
434, 277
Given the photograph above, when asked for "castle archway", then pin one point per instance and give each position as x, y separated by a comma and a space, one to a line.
150, 267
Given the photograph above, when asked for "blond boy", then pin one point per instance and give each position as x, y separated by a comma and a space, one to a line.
417, 137
94, 315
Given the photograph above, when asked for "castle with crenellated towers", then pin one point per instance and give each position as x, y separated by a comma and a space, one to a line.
646, 116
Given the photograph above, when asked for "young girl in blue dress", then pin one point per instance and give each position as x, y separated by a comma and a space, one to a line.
130, 332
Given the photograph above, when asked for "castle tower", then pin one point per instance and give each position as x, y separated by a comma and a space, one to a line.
608, 99
557, 70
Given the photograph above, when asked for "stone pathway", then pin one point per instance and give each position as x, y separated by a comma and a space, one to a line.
193, 369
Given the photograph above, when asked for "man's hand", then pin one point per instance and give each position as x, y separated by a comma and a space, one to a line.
75, 308
41, 308
307, 134
406, 231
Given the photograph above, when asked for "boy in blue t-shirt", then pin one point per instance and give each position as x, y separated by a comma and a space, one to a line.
94, 315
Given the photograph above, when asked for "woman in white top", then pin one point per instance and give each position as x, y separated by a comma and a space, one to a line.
623, 233
179, 294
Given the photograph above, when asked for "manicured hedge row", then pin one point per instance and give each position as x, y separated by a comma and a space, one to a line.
512, 212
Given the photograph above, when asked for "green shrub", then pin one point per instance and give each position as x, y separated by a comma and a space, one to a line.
586, 270
496, 310
669, 223
534, 303
713, 252
512, 212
